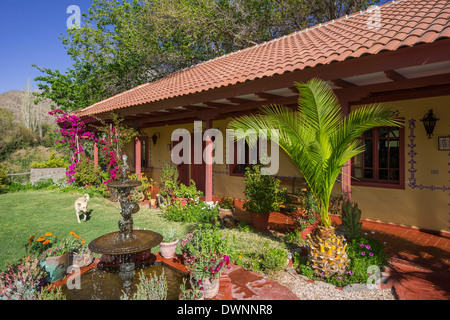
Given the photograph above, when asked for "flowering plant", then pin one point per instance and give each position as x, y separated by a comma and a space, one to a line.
77, 137
149, 288
194, 293
21, 282
50, 245
207, 265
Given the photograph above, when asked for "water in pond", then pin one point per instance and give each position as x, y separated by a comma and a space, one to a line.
106, 284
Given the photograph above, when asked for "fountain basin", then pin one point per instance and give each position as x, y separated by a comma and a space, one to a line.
98, 284
115, 244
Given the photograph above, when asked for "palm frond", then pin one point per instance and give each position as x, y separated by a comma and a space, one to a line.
317, 137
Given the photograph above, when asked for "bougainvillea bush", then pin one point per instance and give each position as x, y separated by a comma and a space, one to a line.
79, 138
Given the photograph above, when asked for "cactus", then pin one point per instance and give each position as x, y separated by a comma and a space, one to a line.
351, 217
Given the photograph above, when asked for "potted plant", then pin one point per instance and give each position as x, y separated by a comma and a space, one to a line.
185, 193
263, 196
80, 255
307, 221
226, 207
226, 211
53, 253
169, 182
168, 246
206, 268
190, 294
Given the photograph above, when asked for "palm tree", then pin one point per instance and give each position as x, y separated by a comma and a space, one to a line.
317, 136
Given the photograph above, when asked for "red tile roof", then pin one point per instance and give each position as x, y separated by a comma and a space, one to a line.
403, 23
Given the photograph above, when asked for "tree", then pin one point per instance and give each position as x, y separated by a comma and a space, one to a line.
122, 44
31, 112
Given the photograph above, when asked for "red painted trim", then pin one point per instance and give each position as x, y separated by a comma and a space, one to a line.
137, 152
96, 153
208, 164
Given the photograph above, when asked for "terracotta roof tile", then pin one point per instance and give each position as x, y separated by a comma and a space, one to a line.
403, 23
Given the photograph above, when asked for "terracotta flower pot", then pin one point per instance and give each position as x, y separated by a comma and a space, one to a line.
82, 260
260, 221
56, 267
209, 287
167, 249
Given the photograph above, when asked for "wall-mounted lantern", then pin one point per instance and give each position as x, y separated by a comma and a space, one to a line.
155, 137
429, 121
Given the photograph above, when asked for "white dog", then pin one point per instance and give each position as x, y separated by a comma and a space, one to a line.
81, 206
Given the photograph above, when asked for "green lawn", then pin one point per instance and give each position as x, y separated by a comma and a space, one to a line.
24, 214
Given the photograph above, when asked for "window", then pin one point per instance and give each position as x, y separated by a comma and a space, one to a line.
382, 162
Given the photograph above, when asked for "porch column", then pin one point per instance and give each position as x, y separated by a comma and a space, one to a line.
137, 157
346, 181
96, 154
208, 164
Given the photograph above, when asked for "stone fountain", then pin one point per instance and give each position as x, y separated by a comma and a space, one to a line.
126, 242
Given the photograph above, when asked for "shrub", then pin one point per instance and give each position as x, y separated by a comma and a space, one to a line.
208, 238
183, 191
271, 259
195, 211
41, 184
87, 173
4, 181
169, 180
226, 203
53, 162
294, 238
274, 259
140, 193
307, 202
263, 195
149, 288
23, 282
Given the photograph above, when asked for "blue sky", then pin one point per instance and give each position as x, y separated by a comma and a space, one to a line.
29, 34
29, 31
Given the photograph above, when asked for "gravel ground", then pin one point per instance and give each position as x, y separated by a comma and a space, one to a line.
322, 291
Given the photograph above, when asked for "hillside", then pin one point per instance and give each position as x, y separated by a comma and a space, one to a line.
12, 100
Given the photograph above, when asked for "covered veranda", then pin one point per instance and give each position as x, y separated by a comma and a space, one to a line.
405, 58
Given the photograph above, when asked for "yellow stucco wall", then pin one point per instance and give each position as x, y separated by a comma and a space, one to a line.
417, 205
412, 206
